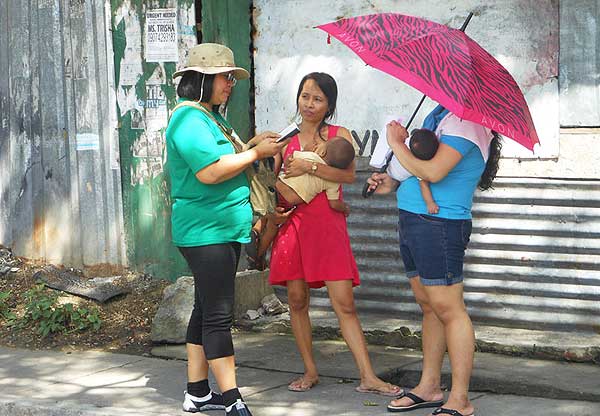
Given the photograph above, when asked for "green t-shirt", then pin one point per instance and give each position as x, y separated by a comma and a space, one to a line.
204, 214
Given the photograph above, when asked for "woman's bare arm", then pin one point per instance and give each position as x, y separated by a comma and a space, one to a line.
229, 166
297, 167
433, 170
278, 162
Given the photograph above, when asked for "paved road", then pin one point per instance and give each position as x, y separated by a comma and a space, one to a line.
51, 383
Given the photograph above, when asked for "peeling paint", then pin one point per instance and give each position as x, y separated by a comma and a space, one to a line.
131, 61
143, 105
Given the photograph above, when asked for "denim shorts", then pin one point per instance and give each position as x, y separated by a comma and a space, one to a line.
433, 248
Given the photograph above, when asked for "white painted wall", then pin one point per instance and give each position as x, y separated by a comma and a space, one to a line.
521, 34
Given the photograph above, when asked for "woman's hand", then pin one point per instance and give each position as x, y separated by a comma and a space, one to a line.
273, 221
382, 183
261, 137
268, 146
296, 167
396, 134
279, 216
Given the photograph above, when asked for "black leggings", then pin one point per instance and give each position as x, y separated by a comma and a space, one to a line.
214, 269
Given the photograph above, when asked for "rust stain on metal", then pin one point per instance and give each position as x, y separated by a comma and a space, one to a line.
38, 234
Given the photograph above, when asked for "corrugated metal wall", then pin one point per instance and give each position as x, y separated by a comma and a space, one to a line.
533, 260
60, 193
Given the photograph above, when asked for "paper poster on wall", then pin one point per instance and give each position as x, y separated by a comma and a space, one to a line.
156, 108
148, 144
87, 141
137, 120
161, 35
158, 76
145, 169
131, 64
130, 72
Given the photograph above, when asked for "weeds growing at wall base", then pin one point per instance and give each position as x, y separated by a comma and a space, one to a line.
43, 310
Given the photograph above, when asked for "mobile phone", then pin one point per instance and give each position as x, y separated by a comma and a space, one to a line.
286, 209
288, 132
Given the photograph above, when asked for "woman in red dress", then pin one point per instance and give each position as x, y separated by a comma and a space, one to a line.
312, 248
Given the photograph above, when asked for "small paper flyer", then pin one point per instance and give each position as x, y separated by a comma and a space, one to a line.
87, 141
161, 35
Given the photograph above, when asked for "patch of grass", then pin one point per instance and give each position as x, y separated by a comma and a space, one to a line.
6, 314
43, 310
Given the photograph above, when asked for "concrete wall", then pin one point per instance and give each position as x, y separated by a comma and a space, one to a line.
578, 158
287, 47
580, 63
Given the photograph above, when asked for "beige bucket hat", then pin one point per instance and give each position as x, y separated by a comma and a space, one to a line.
212, 58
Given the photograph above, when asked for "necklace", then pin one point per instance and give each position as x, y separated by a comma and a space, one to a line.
314, 141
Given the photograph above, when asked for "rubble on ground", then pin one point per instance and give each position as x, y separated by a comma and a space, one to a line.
270, 306
8, 262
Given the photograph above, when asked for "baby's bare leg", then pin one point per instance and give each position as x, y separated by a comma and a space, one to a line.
288, 193
340, 206
432, 207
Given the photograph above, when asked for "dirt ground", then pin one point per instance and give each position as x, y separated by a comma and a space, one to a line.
126, 319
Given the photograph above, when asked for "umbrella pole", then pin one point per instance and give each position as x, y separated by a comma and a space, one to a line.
408, 123
466, 23
365, 192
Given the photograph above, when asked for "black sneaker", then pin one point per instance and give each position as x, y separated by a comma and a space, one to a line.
212, 401
239, 408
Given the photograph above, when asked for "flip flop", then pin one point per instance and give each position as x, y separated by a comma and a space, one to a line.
418, 403
303, 386
444, 411
398, 393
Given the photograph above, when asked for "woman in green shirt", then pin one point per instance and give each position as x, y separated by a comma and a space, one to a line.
211, 217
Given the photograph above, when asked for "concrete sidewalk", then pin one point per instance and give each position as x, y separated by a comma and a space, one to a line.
93, 383
388, 330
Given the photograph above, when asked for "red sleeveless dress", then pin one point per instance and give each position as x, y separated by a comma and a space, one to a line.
313, 244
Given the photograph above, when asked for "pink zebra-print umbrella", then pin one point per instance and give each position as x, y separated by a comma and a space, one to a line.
444, 64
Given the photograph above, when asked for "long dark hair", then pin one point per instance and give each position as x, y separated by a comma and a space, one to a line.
327, 84
491, 167
191, 84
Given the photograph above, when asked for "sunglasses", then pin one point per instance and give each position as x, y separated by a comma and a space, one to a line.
231, 78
